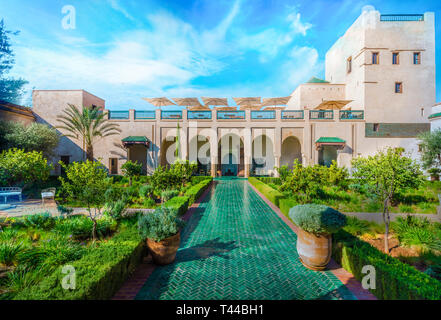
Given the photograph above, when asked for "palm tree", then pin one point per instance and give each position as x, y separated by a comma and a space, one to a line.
87, 124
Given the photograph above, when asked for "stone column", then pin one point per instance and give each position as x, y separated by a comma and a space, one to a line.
277, 165
247, 141
214, 147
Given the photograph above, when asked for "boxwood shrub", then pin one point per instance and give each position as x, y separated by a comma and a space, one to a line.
272, 195
179, 204
395, 280
196, 191
99, 273
198, 179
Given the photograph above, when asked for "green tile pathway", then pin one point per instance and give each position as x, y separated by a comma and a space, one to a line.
236, 247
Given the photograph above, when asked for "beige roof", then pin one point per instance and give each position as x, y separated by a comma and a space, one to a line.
215, 101
249, 107
188, 102
333, 104
159, 102
279, 101
250, 101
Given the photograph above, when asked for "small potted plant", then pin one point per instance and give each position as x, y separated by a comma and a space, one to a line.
316, 225
161, 229
434, 174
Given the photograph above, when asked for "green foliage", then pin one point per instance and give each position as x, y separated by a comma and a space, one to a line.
168, 194
395, 280
99, 273
286, 204
34, 137
81, 228
64, 211
11, 90
430, 144
284, 172
184, 169
9, 251
43, 221
159, 225
116, 209
272, 195
131, 169
164, 179
198, 179
146, 191
87, 125
149, 203
18, 167
196, 191
356, 226
178, 204
317, 219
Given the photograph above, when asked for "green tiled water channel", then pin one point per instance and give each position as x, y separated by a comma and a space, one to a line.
236, 247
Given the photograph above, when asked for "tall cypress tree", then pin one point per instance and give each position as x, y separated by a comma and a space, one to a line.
11, 90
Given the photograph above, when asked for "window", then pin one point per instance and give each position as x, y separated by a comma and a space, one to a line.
422, 112
375, 58
398, 87
349, 65
395, 58
376, 127
113, 164
416, 58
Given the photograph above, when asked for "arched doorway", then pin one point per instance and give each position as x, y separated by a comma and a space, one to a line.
168, 152
291, 150
327, 154
263, 161
199, 152
231, 156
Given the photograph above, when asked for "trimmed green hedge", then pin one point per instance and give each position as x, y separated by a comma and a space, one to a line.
395, 280
273, 195
286, 204
196, 191
180, 204
99, 273
198, 179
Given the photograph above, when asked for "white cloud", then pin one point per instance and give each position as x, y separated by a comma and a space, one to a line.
116, 6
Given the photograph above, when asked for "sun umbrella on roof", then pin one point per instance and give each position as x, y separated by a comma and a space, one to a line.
279, 101
226, 108
274, 108
215, 101
251, 107
160, 102
333, 104
250, 101
199, 108
188, 102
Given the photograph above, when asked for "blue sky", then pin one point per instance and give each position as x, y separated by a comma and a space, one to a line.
123, 50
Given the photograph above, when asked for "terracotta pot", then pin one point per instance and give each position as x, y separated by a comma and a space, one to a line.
164, 252
314, 251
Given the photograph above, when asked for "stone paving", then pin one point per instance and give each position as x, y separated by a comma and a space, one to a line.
236, 247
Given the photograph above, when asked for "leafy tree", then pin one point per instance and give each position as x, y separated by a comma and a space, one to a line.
164, 179
35, 137
18, 167
11, 90
184, 169
131, 169
430, 144
87, 125
387, 173
87, 182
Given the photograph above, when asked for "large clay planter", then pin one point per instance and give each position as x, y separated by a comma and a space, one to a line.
314, 251
164, 252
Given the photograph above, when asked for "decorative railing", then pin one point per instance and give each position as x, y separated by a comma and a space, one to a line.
293, 114
263, 115
321, 114
231, 115
402, 17
171, 115
118, 115
351, 114
192, 115
145, 115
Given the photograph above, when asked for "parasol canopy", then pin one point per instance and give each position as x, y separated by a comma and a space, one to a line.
250, 101
333, 104
251, 107
226, 108
188, 102
274, 108
159, 102
215, 101
199, 108
279, 101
